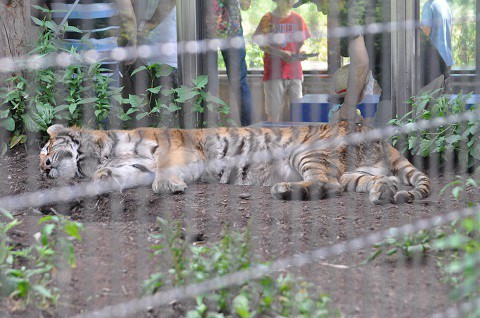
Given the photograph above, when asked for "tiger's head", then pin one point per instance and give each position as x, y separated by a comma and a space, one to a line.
59, 157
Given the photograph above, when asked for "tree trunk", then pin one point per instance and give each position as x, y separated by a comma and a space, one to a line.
16, 31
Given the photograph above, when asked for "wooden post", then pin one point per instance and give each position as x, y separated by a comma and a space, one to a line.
333, 42
189, 28
403, 54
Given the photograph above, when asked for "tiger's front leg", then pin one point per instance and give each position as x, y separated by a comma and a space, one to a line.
125, 169
176, 171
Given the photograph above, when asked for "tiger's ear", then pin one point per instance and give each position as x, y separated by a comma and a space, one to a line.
55, 129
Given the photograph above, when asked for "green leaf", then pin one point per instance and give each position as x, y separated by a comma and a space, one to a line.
135, 101
42, 290
185, 93
8, 124
457, 191
130, 111
47, 230
87, 100
453, 139
16, 140
163, 70
4, 113
22, 288
140, 116
201, 81
45, 219
72, 229
139, 69
214, 99
34, 122
70, 28
241, 307
60, 108
51, 25
155, 90
372, 256
45, 10
6, 213
37, 21
412, 141
72, 107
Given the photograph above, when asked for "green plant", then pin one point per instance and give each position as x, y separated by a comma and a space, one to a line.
201, 101
459, 189
283, 295
443, 139
27, 275
456, 247
463, 261
461, 248
407, 246
32, 101
13, 105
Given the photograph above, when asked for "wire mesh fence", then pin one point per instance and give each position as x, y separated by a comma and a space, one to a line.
138, 228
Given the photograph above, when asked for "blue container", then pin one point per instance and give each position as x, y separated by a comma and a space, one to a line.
315, 108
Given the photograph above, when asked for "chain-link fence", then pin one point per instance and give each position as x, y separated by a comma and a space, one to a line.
209, 238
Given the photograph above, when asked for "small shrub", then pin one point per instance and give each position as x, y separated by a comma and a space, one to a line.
281, 296
408, 246
173, 99
443, 139
27, 275
456, 247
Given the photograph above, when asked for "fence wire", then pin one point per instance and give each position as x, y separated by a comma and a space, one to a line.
398, 221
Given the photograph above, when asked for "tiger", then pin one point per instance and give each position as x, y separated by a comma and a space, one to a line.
290, 160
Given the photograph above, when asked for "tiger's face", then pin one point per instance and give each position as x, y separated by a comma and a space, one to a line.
59, 158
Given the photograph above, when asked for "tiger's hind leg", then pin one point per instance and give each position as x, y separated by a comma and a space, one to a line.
319, 179
381, 189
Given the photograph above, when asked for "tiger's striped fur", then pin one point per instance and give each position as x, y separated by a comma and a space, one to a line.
288, 159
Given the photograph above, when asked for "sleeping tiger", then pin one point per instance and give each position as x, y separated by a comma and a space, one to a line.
288, 159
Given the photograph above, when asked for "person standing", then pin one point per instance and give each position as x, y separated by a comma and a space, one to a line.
372, 51
156, 26
436, 22
109, 23
224, 21
283, 74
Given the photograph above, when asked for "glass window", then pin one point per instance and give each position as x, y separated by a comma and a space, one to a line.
316, 22
463, 32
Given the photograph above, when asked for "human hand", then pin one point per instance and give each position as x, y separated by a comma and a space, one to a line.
286, 56
344, 113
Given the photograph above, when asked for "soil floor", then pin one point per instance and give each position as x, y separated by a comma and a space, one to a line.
113, 257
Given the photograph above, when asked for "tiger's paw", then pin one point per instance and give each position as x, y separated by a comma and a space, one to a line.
289, 191
102, 173
305, 190
403, 197
383, 191
174, 185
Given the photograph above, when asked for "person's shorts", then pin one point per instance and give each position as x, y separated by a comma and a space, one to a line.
278, 95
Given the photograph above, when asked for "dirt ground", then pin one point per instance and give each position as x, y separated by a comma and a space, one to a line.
113, 257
